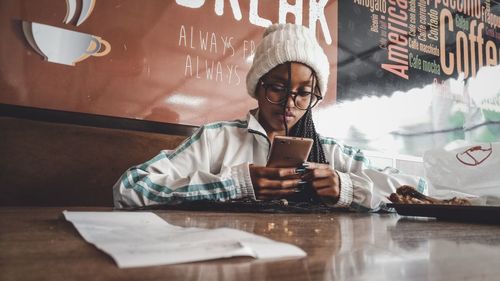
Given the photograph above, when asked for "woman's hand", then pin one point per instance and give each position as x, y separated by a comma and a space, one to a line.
324, 179
274, 183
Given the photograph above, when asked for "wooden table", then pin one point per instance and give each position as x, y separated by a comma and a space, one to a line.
38, 244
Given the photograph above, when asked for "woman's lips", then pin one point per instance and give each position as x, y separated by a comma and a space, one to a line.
288, 116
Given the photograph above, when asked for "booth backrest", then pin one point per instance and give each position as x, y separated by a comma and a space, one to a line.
53, 164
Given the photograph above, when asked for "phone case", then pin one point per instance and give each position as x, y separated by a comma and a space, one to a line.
289, 151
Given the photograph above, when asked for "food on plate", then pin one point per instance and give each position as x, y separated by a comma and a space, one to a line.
406, 194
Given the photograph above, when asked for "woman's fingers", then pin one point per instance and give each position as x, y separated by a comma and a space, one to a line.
276, 173
317, 173
272, 183
323, 179
326, 187
313, 165
322, 183
278, 188
279, 184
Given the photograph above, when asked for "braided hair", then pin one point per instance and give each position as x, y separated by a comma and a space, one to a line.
305, 128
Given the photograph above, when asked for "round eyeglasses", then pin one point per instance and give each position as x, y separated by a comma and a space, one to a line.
278, 94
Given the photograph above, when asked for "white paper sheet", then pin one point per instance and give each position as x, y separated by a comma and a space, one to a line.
135, 239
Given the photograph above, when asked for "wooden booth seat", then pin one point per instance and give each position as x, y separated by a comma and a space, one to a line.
53, 164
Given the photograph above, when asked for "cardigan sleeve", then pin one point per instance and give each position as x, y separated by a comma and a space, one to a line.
183, 174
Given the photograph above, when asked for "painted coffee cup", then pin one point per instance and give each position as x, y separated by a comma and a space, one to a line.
67, 47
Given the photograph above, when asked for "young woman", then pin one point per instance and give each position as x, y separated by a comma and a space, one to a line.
227, 160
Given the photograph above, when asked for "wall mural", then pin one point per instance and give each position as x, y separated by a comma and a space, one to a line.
416, 74
87, 8
59, 45
406, 75
172, 61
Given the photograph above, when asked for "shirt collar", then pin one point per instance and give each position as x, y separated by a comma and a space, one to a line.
253, 121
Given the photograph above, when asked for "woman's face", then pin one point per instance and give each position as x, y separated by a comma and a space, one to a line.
272, 115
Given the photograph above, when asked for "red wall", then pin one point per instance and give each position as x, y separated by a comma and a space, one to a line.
156, 59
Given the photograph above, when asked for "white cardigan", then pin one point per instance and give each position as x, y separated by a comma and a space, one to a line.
213, 164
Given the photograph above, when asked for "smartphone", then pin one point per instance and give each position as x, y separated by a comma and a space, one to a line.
289, 151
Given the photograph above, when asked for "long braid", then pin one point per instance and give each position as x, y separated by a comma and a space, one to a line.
305, 129
288, 85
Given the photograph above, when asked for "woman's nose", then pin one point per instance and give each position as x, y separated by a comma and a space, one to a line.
289, 101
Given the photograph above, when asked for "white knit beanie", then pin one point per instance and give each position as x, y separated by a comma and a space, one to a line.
288, 43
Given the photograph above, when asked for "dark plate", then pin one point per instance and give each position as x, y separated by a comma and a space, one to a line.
481, 214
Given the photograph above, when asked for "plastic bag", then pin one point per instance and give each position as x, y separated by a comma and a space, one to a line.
470, 170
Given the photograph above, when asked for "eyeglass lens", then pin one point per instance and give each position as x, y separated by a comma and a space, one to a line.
302, 99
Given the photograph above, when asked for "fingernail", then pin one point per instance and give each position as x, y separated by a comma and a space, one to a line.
302, 182
300, 171
297, 190
305, 165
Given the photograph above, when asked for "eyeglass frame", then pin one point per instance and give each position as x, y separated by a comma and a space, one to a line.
290, 93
